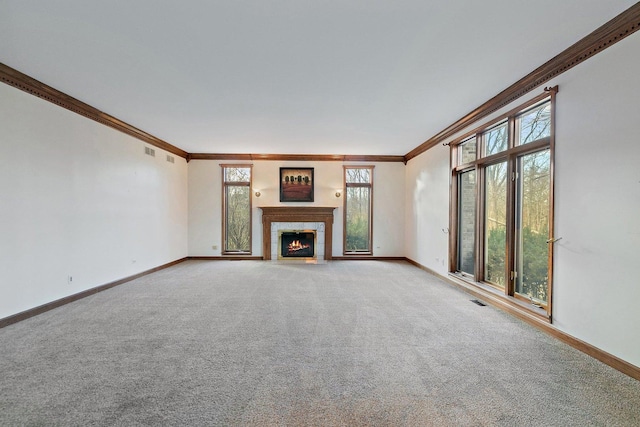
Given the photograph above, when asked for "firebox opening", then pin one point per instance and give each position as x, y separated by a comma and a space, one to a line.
297, 244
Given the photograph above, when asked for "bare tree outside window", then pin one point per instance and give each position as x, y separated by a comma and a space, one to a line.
358, 202
512, 166
532, 206
534, 124
496, 141
237, 209
496, 224
532, 226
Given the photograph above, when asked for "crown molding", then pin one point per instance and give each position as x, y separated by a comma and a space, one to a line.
21, 81
34, 87
620, 27
297, 157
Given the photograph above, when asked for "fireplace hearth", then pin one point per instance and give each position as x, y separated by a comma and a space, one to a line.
297, 244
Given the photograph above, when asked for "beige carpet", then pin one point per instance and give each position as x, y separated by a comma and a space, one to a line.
260, 343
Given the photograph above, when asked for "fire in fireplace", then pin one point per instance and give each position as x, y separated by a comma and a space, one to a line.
297, 244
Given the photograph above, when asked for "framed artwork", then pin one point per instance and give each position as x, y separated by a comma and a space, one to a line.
296, 184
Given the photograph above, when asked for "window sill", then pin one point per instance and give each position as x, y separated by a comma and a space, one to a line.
497, 298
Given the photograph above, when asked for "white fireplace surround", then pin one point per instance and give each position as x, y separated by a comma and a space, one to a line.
318, 227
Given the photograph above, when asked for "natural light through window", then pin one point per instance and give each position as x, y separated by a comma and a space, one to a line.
236, 206
502, 192
357, 207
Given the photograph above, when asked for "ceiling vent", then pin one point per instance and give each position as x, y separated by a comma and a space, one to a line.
149, 151
171, 159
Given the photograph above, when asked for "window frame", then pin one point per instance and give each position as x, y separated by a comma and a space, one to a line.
511, 156
348, 185
225, 184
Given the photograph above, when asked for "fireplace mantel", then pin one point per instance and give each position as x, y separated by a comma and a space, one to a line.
296, 214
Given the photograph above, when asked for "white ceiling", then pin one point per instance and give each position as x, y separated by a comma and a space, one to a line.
290, 76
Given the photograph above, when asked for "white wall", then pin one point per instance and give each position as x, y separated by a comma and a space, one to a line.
79, 199
597, 286
427, 209
205, 229
597, 206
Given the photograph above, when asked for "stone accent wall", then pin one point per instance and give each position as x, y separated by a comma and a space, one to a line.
467, 222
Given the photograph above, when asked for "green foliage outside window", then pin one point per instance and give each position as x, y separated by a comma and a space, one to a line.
357, 226
238, 220
357, 233
495, 265
516, 176
534, 271
358, 209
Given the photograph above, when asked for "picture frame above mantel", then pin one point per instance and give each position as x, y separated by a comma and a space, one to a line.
296, 184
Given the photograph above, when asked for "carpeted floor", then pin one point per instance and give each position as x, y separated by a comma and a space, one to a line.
269, 344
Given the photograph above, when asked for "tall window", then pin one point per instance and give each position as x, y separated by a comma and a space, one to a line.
236, 209
502, 192
358, 200
467, 222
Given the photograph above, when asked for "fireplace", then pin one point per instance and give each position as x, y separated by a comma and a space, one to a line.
298, 244
318, 218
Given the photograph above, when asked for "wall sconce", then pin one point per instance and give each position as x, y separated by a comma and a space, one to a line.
257, 193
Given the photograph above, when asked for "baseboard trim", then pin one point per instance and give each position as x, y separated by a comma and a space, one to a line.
608, 359
367, 258
226, 258
422, 267
334, 258
75, 297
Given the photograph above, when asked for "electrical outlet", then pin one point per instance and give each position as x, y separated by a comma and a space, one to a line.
214, 247
69, 279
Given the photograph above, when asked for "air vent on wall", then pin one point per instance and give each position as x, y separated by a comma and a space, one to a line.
149, 151
171, 159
